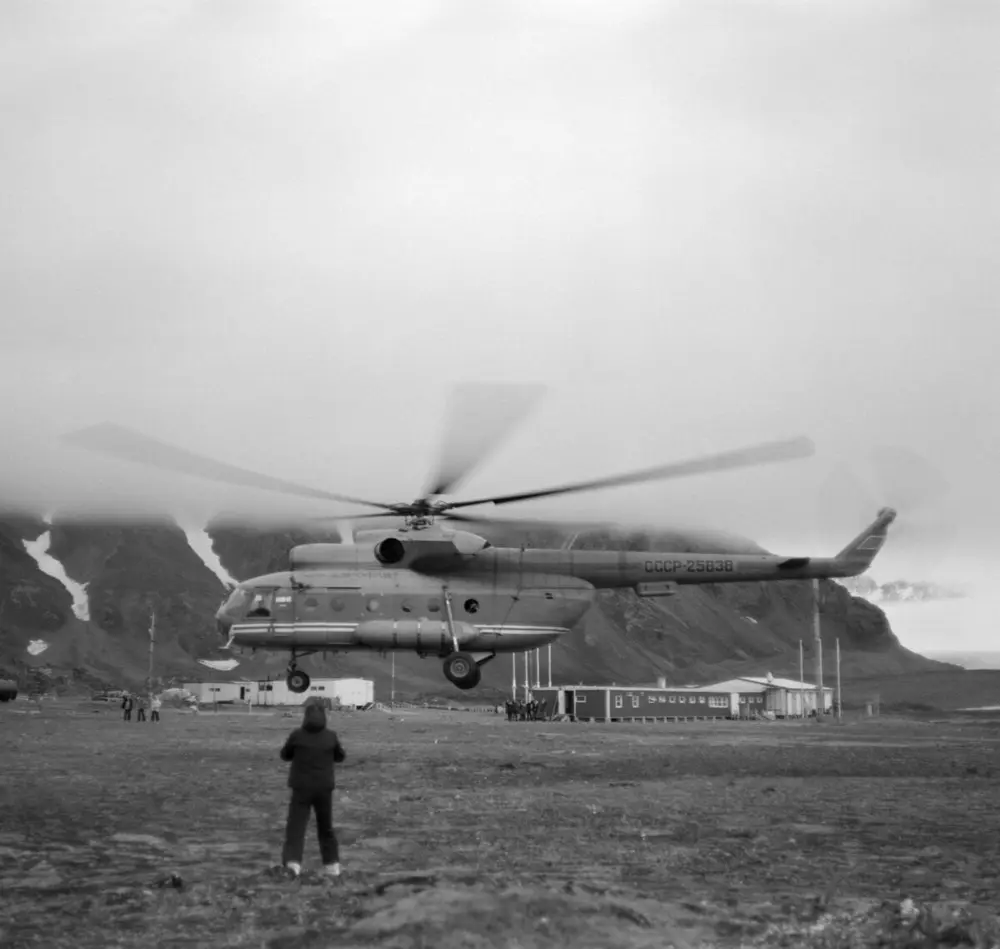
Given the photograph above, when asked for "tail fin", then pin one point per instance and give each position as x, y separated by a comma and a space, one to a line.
858, 555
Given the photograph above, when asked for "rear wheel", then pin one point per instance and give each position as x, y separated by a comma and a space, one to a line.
462, 671
297, 681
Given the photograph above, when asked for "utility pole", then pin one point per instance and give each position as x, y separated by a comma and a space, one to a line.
513, 676
550, 665
538, 668
152, 642
392, 700
802, 683
839, 713
527, 673
820, 706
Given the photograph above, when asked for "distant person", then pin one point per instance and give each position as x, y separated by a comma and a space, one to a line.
140, 703
129, 704
154, 704
312, 749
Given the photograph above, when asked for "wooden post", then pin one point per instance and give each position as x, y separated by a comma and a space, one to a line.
802, 680
838, 680
152, 641
820, 705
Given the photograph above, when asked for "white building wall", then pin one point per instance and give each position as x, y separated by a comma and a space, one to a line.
351, 692
218, 691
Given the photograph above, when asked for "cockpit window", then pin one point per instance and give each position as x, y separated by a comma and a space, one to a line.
261, 604
237, 599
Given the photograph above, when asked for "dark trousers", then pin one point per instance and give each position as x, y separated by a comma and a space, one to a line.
141, 717
301, 803
154, 716
128, 715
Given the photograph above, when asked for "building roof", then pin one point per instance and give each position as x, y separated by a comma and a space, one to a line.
735, 685
626, 686
776, 683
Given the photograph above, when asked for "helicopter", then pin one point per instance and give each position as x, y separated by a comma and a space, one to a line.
447, 592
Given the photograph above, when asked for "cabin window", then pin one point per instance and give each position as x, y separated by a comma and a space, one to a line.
311, 603
261, 604
635, 701
618, 701
471, 606
434, 605
337, 604
373, 605
406, 606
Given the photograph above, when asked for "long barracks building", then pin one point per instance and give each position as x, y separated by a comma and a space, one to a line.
734, 698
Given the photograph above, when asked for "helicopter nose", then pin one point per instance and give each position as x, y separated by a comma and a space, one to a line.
223, 622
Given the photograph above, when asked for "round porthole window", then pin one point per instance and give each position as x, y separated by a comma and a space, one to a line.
373, 606
434, 606
336, 604
471, 606
406, 606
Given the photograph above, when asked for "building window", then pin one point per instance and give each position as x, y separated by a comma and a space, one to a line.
673, 698
618, 701
701, 699
635, 701
581, 698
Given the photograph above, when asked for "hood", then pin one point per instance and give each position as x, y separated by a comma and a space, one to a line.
314, 719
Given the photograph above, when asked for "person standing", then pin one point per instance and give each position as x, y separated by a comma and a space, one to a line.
140, 701
129, 703
154, 704
312, 750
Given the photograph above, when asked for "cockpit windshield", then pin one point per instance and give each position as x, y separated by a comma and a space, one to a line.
237, 599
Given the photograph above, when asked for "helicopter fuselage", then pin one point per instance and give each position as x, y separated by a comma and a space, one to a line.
451, 594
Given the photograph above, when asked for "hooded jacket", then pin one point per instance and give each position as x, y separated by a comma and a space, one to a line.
312, 750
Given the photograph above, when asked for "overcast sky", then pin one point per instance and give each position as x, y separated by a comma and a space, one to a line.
278, 232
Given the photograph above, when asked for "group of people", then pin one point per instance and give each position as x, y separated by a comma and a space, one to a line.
521, 711
139, 704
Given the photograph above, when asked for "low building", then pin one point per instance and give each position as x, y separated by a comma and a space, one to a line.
208, 692
353, 693
786, 698
623, 703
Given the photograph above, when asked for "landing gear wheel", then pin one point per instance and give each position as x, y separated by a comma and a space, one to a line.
461, 670
297, 681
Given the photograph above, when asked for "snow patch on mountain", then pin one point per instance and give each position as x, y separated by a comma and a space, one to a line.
39, 551
201, 543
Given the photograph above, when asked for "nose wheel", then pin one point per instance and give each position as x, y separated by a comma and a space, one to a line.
462, 670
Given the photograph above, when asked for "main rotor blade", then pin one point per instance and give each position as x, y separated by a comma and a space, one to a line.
480, 416
765, 454
128, 445
531, 524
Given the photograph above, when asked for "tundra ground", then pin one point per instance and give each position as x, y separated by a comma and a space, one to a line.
461, 829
